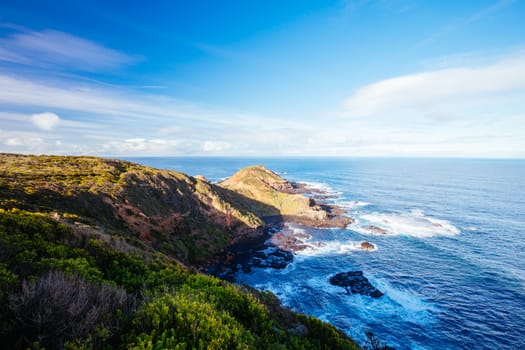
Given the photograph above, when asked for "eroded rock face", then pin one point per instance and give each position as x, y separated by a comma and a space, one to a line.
355, 283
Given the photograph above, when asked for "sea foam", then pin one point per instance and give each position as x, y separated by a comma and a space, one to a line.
413, 223
351, 205
322, 188
333, 247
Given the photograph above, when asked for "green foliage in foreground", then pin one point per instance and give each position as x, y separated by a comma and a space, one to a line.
65, 288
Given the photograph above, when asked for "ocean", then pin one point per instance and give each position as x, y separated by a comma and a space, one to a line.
451, 264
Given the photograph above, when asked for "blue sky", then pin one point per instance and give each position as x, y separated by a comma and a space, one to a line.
263, 78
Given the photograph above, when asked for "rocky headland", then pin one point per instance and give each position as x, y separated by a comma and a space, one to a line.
275, 200
104, 252
279, 204
190, 218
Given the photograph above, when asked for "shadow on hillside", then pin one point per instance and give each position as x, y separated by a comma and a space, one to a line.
268, 213
177, 221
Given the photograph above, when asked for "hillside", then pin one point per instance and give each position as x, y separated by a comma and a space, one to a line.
186, 217
67, 287
93, 254
180, 215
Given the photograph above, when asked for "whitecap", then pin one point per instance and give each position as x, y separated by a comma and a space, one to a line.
395, 302
322, 188
413, 223
318, 186
356, 246
295, 230
350, 205
334, 247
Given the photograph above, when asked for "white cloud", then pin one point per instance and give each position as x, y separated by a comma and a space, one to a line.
141, 146
60, 50
90, 98
28, 142
215, 146
45, 121
434, 88
15, 118
13, 141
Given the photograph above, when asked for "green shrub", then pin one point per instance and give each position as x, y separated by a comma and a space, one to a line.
69, 289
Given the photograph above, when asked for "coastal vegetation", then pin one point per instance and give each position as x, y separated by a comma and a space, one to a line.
183, 216
89, 261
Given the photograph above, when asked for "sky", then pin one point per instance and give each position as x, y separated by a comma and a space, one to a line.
362, 78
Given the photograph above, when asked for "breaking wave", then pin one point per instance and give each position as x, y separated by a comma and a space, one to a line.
413, 223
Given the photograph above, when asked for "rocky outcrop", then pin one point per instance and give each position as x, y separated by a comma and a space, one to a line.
355, 283
375, 230
273, 198
367, 246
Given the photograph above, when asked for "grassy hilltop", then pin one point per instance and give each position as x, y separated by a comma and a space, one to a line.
94, 254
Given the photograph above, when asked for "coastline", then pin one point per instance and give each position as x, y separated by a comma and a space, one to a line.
142, 232
274, 245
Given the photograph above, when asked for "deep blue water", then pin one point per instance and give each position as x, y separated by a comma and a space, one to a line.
452, 265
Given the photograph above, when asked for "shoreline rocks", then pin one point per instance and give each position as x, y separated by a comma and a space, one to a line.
248, 254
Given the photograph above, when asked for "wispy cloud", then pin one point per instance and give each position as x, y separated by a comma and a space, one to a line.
90, 98
215, 146
44, 120
422, 91
61, 50
475, 17
115, 120
114, 103
142, 146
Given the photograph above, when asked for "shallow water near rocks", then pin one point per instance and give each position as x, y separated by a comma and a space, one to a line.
451, 260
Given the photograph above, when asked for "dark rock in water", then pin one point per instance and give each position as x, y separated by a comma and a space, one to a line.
275, 259
376, 230
246, 255
367, 246
354, 282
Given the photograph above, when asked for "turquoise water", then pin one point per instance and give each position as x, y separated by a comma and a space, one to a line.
452, 264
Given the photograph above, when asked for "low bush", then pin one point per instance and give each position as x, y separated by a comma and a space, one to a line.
62, 288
